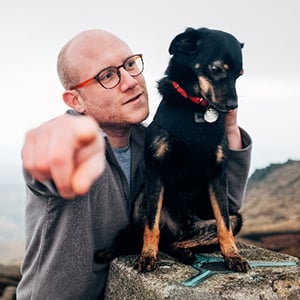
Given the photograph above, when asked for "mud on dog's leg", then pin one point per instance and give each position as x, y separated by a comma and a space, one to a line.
228, 247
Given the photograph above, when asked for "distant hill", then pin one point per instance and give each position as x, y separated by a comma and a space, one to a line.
272, 207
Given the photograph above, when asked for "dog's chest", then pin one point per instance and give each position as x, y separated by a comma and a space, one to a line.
187, 123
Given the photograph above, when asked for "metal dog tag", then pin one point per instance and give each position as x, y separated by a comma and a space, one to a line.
211, 115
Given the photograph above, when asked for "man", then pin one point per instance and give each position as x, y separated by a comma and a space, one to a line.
84, 169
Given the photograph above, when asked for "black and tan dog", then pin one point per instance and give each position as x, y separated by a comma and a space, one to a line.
185, 153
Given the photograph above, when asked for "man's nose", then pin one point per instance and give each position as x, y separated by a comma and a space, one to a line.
127, 81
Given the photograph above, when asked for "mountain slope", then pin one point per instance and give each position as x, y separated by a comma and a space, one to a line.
272, 201
272, 208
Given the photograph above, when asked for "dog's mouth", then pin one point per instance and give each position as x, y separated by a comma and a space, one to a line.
223, 109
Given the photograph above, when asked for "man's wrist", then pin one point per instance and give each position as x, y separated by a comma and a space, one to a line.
234, 138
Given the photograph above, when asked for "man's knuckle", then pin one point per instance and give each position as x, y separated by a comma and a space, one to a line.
56, 159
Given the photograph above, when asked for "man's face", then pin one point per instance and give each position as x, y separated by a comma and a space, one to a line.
123, 105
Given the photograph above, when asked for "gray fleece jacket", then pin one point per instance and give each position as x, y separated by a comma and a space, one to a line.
62, 235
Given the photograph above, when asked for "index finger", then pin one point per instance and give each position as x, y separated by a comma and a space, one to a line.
77, 143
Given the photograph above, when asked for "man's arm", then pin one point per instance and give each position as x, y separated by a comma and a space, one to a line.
68, 150
239, 158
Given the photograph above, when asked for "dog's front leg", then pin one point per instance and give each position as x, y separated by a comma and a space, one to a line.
219, 202
154, 192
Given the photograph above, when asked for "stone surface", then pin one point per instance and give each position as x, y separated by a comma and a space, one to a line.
166, 282
9, 279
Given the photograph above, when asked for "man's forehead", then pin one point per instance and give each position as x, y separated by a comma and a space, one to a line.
98, 46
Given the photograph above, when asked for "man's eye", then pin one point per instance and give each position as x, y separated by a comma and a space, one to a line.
130, 64
107, 75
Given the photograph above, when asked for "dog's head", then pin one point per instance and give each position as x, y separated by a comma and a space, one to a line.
206, 63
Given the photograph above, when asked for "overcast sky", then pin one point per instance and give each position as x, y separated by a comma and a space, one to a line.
32, 33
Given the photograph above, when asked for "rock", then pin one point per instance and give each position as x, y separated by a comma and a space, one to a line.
9, 279
166, 282
9, 293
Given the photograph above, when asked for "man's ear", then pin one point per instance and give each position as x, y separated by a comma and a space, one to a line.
73, 99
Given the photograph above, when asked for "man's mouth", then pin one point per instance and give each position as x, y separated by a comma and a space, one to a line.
137, 97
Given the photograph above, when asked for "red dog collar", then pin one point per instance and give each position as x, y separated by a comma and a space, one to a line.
198, 100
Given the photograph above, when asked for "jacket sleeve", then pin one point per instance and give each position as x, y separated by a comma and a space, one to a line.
237, 171
45, 188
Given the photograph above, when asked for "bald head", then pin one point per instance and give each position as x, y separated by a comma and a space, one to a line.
78, 57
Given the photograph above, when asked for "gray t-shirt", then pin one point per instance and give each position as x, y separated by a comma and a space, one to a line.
123, 156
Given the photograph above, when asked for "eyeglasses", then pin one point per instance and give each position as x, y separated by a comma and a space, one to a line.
110, 77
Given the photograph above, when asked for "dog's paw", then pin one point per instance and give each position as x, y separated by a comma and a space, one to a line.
237, 264
102, 256
145, 264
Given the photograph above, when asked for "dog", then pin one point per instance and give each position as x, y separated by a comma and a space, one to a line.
184, 204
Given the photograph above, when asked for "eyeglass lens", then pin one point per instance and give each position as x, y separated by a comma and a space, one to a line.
110, 77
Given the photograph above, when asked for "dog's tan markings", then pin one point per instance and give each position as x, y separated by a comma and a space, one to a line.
197, 66
225, 236
242, 72
160, 146
151, 237
150, 246
220, 154
204, 84
228, 247
206, 88
226, 67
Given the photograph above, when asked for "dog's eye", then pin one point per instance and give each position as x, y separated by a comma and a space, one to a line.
217, 70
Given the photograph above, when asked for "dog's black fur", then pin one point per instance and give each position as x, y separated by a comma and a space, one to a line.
185, 155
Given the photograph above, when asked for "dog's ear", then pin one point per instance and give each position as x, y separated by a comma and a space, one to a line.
188, 42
